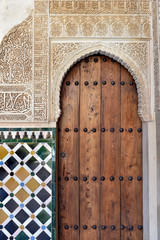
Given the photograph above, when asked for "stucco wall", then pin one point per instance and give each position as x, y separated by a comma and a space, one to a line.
36, 54
12, 13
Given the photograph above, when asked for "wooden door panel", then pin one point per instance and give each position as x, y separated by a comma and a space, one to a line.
100, 154
68, 167
110, 148
90, 148
131, 160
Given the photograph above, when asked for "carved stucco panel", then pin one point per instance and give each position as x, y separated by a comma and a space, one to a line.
100, 26
100, 7
16, 85
133, 56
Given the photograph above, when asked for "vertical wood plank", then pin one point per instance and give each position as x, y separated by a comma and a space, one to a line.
69, 164
110, 149
96, 154
131, 160
89, 148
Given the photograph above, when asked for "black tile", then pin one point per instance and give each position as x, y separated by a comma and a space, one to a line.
43, 174
3, 173
22, 216
3, 194
49, 184
11, 163
3, 236
22, 152
43, 195
11, 205
32, 163
43, 236
11, 145
32, 227
32, 145
11, 227
32, 205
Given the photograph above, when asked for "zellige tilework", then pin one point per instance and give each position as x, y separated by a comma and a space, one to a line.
26, 185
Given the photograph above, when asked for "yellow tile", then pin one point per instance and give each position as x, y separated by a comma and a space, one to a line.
43, 184
3, 152
22, 195
3, 216
12, 152
22, 173
32, 184
12, 184
21, 227
32, 153
1, 184
33, 216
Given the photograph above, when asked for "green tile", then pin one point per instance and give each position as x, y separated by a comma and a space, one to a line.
43, 216
44, 141
47, 129
53, 189
54, 134
18, 129
49, 163
50, 205
53, 220
53, 204
4, 129
33, 129
53, 234
43, 152
25, 140
49, 227
21, 236
9, 140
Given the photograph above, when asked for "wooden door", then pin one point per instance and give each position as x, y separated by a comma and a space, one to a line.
99, 154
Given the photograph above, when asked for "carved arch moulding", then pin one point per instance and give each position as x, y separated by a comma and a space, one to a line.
36, 55
133, 56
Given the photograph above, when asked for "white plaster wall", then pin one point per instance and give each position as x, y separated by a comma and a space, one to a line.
12, 13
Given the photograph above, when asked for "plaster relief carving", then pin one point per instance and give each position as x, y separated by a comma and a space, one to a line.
16, 72
120, 29
131, 55
100, 7
16, 55
106, 26
15, 102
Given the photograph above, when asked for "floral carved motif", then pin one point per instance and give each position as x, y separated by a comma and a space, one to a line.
15, 102
16, 85
102, 26
132, 55
16, 55
99, 7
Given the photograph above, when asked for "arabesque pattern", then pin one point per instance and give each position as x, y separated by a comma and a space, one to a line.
26, 75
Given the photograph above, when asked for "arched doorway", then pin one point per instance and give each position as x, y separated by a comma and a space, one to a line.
99, 154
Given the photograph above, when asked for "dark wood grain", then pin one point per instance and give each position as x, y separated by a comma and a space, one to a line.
110, 149
96, 154
90, 148
69, 165
131, 160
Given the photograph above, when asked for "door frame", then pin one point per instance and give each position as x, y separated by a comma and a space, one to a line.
149, 157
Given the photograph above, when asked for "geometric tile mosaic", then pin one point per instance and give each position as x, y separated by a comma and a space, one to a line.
25, 184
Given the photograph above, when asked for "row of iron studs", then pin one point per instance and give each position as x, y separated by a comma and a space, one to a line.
103, 227
96, 60
102, 130
86, 83
130, 178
